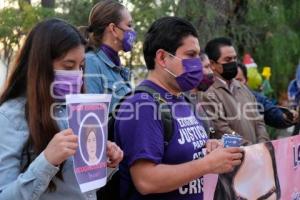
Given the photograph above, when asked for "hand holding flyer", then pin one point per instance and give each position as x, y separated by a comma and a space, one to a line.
87, 117
231, 140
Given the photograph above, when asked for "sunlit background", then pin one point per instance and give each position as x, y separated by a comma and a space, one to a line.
268, 30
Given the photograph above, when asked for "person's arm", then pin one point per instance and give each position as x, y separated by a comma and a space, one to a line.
93, 78
150, 178
279, 117
215, 111
140, 134
14, 184
273, 115
276, 118
260, 126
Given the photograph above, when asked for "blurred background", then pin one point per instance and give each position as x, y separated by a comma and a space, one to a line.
269, 30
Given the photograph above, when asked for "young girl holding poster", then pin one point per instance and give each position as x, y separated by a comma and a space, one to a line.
36, 146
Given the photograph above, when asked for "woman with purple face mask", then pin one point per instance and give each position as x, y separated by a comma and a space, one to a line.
109, 31
208, 75
36, 146
207, 79
195, 95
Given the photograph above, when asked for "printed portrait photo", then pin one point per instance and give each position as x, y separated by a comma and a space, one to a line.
255, 179
92, 140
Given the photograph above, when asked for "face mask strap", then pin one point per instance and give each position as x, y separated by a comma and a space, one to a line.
173, 55
167, 70
122, 29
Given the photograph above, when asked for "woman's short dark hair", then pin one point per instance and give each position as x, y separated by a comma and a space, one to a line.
203, 56
166, 33
244, 69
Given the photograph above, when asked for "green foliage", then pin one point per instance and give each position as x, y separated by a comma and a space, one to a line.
268, 29
15, 23
277, 39
75, 11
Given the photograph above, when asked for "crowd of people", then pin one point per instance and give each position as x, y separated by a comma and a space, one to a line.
205, 90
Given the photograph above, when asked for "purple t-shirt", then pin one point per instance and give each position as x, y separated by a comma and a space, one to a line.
140, 134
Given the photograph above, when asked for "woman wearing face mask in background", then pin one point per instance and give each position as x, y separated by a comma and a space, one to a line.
36, 145
110, 31
195, 94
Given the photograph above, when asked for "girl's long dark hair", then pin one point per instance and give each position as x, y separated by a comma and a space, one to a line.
32, 77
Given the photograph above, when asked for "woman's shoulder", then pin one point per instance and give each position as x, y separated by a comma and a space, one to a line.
13, 111
13, 105
94, 55
91, 54
94, 59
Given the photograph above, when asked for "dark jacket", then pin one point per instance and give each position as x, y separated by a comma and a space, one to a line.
273, 115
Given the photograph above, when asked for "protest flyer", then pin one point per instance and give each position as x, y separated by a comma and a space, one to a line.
88, 117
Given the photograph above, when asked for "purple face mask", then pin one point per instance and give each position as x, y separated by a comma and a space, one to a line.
192, 75
66, 82
128, 40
